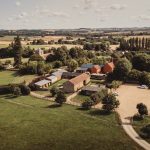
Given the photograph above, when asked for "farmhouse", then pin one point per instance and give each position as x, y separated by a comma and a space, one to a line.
96, 69
43, 83
109, 67
39, 52
76, 83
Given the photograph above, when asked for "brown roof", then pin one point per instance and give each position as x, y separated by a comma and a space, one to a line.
79, 78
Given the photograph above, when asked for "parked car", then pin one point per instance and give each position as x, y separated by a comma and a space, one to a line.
143, 87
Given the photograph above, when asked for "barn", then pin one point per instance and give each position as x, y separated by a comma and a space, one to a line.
76, 83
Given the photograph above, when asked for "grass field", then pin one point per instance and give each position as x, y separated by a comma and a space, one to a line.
24, 60
28, 123
7, 77
138, 125
80, 98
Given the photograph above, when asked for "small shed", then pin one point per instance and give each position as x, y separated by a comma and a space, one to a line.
43, 83
70, 75
89, 90
96, 76
82, 70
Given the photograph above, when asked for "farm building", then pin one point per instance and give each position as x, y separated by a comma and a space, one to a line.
96, 76
96, 69
39, 52
109, 67
82, 70
89, 90
53, 79
76, 83
87, 66
70, 75
59, 74
43, 83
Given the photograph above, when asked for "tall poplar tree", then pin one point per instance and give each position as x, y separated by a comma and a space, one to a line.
17, 47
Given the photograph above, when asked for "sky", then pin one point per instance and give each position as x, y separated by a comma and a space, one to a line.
64, 14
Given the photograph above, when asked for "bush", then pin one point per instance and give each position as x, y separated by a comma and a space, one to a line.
60, 98
54, 90
25, 90
88, 104
145, 131
16, 91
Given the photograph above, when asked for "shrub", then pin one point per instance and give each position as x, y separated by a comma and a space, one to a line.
16, 91
54, 90
25, 90
88, 104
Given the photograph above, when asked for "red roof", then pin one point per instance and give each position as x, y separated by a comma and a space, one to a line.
96, 67
79, 78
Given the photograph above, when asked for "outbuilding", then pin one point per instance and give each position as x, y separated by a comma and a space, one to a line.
108, 67
53, 79
96, 69
43, 83
89, 90
76, 83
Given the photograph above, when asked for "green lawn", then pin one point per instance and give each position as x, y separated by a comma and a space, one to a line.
138, 125
28, 123
80, 98
7, 77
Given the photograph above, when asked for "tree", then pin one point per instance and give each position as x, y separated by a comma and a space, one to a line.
141, 62
72, 65
36, 57
17, 47
54, 90
122, 69
116, 84
25, 90
60, 98
16, 91
88, 104
142, 109
110, 102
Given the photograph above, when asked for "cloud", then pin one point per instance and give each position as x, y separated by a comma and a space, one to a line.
59, 14
18, 3
76, 6
118, 7
88, 4
144, 17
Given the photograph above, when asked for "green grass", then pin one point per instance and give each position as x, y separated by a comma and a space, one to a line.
80, 98
43, 126
24, 60
138, 125
7, 77
3, 45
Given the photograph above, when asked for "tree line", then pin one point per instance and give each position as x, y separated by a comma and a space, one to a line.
135, 44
